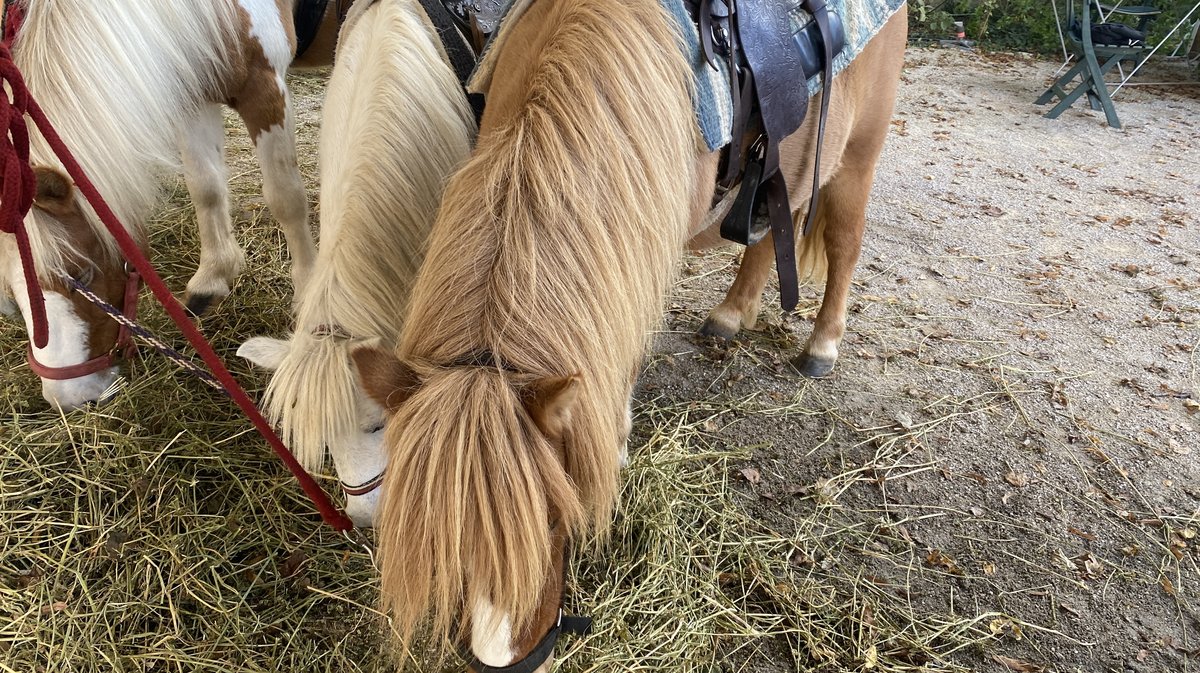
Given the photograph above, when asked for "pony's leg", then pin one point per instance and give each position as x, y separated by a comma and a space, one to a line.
740, 306
221, 259
272, 128
843, 206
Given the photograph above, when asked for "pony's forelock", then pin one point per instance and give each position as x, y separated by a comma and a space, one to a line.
458, 547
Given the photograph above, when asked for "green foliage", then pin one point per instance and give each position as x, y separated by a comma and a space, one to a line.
1027, 25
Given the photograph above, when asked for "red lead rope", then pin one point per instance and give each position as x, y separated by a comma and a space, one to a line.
19, 188
18, 181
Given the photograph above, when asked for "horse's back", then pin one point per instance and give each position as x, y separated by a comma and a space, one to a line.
859, 112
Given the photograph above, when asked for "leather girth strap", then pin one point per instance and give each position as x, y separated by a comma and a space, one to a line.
307, 17
769, 66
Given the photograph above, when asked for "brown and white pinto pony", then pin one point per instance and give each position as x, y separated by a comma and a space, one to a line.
547, 270
132, 87
394, 126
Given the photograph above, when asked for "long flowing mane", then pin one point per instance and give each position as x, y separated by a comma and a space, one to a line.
116, 78
552, 253
394, 126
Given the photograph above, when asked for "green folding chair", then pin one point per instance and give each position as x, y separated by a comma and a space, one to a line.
1093, 62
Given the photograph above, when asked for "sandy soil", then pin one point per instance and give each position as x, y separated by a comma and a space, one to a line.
1014, 417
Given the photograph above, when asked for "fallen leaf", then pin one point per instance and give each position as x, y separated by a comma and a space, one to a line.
989, 568
938, 559
1017, 665
800, 557
1075, 531
872, 658
1004, 625
294, 563
751, 475
1017, 479
1088, 565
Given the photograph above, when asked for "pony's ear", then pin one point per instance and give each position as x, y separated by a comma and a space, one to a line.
265, 352
55, 191
551, 401
385, 378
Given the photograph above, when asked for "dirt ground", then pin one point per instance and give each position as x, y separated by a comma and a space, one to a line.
1013, 423
1002, 474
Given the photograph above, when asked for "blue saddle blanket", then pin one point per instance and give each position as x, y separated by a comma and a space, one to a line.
862, 19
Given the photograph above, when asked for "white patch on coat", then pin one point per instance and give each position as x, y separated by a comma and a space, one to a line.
266, 26
491, 635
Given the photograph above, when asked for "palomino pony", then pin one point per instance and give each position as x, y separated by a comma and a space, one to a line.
394, 125
547, 269
130, 87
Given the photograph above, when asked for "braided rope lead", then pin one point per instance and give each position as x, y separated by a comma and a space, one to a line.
146, 335
129, 248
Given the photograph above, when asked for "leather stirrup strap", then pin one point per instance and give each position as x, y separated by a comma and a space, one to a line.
783, 230
742, 104
820, 14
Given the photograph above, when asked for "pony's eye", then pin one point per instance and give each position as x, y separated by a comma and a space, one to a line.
377, 428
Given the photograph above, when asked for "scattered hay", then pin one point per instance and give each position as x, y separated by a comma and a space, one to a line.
159, 534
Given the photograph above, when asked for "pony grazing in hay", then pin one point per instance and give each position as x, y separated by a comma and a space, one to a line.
131, 86
395, 124
547, 269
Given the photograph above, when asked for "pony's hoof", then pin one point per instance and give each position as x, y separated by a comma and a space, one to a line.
715, 328
813, 367
198, 304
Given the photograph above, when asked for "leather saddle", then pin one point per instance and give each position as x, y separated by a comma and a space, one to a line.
769, 64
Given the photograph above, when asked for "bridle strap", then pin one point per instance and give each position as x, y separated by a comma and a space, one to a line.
124, 347
579, 626
365, 487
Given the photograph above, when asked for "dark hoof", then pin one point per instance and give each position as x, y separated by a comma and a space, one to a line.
198, 304
713, 328
813, 368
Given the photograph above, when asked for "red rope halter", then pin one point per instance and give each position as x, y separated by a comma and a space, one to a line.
19, 187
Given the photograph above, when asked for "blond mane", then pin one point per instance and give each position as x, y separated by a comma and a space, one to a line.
395, 124
552, 253
116, 78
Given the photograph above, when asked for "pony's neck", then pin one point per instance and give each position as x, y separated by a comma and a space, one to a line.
562, 233
396, 125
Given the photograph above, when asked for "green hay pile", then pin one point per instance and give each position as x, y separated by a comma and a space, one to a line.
159, 534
